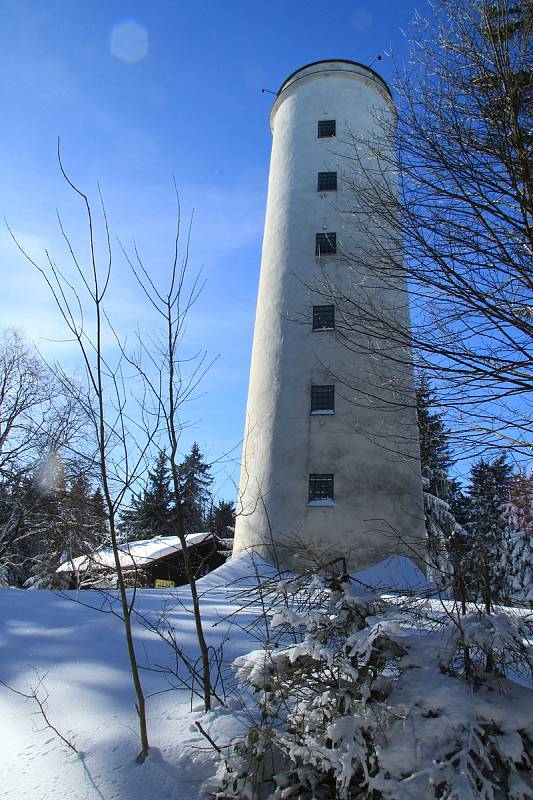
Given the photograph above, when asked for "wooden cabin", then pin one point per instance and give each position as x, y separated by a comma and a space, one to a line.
156, 563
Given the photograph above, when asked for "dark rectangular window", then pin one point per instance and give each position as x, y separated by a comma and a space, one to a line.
327, 182
320, 487
323, 318
322, 399
326, 128
326, 243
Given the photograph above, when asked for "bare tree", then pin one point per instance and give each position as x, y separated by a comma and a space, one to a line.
103, 398
170, 381
458, 222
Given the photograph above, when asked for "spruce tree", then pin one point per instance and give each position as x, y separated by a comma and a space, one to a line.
222, 523
519, 561
59, 520
13, 543
195, 485
151, 513
442, 529
435, 457
488, 530
84, 510
47, 522
99, 515
222, 518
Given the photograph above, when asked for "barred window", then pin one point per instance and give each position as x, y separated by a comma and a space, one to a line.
326, 244
322, 399
323, 318
326, 128
320, 487
327, 182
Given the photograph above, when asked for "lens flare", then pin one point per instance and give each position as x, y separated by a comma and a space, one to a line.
129, 42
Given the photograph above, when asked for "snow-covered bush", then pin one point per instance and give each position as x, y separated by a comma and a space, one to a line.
520, 566
375, 700
519, 555
4, 577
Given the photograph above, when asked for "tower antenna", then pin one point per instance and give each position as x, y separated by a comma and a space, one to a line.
267, 90
377, 58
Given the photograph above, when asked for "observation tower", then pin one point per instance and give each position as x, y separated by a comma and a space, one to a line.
330, 463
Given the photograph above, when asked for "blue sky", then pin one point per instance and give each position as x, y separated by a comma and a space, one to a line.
139, 91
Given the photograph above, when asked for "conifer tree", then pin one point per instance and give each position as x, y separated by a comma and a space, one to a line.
55, 517
519, 561
84, 512
222, 518
435, 461
195, 485
222, 523
14, 544
152, 514
100, 518
488, 530
435, 455
47, 525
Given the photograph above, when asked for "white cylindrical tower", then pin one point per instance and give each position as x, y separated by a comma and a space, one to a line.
330, 462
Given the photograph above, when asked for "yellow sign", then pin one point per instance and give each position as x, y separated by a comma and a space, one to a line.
159, 583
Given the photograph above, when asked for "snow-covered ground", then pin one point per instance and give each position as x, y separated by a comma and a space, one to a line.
80, 654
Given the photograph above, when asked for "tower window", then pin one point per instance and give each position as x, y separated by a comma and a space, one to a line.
322, 399
327, 182
326, 128
323, 318
320, 487
326, 244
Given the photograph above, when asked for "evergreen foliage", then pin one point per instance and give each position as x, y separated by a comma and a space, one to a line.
222, 518
435, 457
152, 513
435, 461
487, 528
359, 697
195, 483
87, 517
59, 517
519, 562
222, 523
98, 509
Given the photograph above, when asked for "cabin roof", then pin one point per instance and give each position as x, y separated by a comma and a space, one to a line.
132, 554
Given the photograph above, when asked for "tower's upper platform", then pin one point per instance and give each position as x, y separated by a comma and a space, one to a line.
331, 66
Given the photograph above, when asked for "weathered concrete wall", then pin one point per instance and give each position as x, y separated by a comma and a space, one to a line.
371, 447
